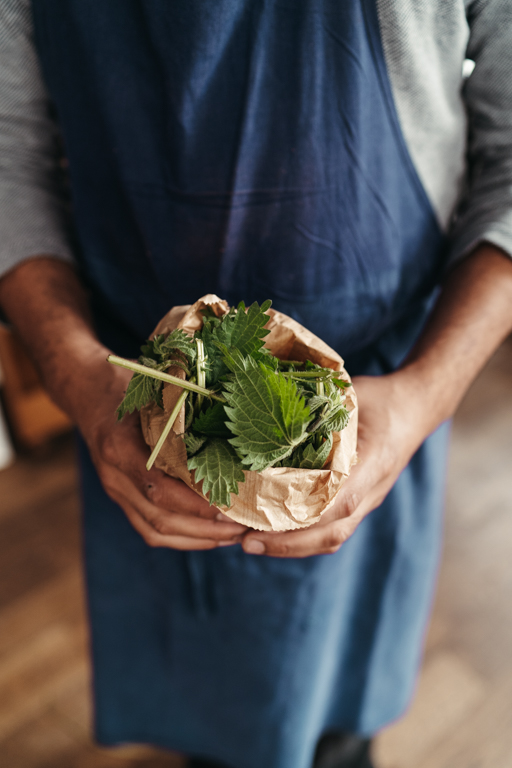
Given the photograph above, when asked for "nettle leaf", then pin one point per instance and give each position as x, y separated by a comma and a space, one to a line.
210, 319
333, 417
341, 383
266, 413
159, 353
218, 467
309, 457
336, 420
308, 385
215, 367
338, 417
242, 329
212, 422
317, 401
148, 349
194, 443
165, 351
150, 362
141, 391
189, 413
177, 341
268, 360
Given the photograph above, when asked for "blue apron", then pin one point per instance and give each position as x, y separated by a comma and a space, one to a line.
248, 148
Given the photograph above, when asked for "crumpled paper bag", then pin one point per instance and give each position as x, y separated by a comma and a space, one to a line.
277, 499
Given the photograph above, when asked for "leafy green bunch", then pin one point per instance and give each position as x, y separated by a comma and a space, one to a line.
245, 409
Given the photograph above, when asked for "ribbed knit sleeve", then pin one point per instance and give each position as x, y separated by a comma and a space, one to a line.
485, 212
33, 211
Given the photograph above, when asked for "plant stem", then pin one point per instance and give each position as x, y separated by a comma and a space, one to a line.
201, 374
320, 418
138, 368
167, 429
320, 388
311, 374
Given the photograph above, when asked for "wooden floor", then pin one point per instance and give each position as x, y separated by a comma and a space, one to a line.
462, 714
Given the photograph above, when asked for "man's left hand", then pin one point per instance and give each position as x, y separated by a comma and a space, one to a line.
390, 430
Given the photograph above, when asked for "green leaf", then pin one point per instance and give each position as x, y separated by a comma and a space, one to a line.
266, 413
150, 362
176, 341
244, 330
307, 457
218, 467
215, 368
159, 353
189, 413
336, 420
333, 416
212, 422
141, 391
317, 401
194, 443
240, 329
341, 383
163, 350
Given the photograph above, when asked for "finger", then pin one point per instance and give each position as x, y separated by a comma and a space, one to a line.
365, 489
225, 518
158, 487
155, 539
171, 523
168, 493
360, 494
316, 540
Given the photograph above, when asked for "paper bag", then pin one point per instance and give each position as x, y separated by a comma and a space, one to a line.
277, 499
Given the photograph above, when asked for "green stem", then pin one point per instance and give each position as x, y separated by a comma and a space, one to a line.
201, 374
311, 374
167, 429
320, 388
318, 421
138, 368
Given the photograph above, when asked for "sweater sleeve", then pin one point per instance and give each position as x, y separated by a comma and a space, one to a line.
34, 215
485, 211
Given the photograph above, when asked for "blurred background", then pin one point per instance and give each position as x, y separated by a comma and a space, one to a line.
461, 716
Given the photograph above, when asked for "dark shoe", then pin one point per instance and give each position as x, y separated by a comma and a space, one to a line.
343, 750
334, 750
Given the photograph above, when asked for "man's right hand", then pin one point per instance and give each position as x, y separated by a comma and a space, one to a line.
162, 509
46, 303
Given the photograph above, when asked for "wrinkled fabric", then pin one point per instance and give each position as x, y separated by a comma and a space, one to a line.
248, 660
250, 149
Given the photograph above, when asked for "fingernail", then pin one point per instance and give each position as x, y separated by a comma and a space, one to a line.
254, 547
226, 543
223, 518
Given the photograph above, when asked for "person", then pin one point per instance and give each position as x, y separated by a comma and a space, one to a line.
329, 156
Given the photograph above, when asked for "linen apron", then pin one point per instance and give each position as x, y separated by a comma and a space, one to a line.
248, 148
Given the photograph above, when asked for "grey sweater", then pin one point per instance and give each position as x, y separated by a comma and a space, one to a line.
458, 128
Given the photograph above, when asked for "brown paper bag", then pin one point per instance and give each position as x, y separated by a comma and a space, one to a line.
278, 499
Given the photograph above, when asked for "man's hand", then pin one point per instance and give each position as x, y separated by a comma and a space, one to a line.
46, 303
163, 510
398, 411
390, 430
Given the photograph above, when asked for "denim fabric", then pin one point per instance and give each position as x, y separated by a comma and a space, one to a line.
248, 660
